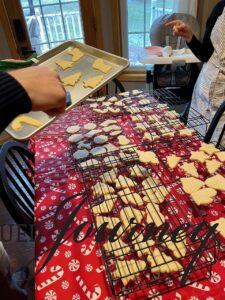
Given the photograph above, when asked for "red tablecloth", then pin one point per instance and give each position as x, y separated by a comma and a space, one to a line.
76, 271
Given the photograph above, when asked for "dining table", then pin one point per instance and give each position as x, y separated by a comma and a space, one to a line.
76, 270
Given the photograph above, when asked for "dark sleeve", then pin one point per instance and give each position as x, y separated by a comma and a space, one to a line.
204, 50
14, 100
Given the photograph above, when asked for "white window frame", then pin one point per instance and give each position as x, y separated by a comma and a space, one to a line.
180, 5
44, 25
125, 34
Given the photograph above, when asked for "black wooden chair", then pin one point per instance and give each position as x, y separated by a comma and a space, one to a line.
16, 184
214, 125
118, 86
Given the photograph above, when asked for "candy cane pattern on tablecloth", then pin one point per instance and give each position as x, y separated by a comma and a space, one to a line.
58, 274
199, 286
90, 295
178, 296
87, 250
100, 269
198, 291
47, 216
79, 222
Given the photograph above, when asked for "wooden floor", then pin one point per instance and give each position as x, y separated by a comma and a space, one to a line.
20, 253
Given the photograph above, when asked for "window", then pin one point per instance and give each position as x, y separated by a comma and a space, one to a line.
51, 22
139, 16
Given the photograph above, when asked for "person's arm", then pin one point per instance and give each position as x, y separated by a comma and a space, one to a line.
14, 100
204, 50
34, 88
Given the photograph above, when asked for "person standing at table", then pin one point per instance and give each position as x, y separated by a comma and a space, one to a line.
209, 92
36, 89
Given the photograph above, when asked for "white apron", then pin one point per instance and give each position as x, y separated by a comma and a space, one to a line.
209, 91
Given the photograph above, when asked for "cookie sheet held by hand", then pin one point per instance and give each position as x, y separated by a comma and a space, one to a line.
64, 64
72, 79
100, 65
93, 82
76, 53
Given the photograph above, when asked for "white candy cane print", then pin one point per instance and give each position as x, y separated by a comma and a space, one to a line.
178, 296
44, 249
66, 243
87, 250
200, 286
100, 269
58, 274
79, 222
91, 295
39, 202
47, 216
55, 189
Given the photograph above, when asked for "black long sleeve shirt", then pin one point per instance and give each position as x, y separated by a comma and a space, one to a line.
204, 50
14, 100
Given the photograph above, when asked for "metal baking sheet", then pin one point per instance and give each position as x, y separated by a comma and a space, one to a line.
78, 92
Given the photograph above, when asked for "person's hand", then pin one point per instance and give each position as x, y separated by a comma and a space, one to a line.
181, 29
44, 89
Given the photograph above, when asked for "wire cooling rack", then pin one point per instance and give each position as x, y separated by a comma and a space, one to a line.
167, 96
107, 206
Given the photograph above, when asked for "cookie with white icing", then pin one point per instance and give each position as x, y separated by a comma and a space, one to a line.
101, 139
81, 154
73, 129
